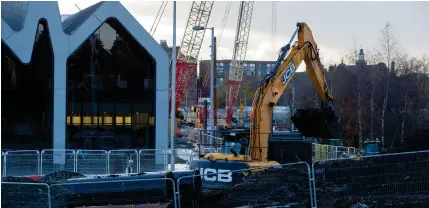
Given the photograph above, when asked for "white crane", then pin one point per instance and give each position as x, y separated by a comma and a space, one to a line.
239, 55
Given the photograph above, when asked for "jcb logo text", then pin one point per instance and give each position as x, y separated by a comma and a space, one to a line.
221, 176
288, 73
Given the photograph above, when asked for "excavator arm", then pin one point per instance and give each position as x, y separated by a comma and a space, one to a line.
320, 123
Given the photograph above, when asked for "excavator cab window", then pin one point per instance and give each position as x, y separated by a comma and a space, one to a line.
236, 146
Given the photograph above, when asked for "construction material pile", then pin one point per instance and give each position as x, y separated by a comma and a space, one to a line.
272, 187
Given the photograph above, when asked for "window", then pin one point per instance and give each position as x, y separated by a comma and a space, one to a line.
269, 67
219, 82
252, 70
246, 69
219, 70
27, 95
226, 68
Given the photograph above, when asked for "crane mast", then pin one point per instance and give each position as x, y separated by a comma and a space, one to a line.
239, 55
187, 56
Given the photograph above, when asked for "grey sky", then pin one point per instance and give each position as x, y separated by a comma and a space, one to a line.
334, 24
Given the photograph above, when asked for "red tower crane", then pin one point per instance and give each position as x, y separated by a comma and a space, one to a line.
187, 56
239, 55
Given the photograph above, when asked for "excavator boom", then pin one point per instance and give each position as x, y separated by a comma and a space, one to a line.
320, 123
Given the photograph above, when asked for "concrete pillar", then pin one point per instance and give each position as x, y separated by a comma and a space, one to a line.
59, 105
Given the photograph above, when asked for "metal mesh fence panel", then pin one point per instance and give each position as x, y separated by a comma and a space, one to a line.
158, 192
3, 164
391, 180
119, 161
148, 161
182, 158
277, 185
22, 163
25, 195
57, 160
323, 152
91, 162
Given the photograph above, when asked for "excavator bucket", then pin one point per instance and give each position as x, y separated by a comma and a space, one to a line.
319, 123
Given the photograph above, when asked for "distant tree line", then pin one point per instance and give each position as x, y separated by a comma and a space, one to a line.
386, 97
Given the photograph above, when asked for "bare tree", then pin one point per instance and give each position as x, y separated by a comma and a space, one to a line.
388, 51
404, 113
359, 115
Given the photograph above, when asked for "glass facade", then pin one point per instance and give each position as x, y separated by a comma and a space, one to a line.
27, 96
252, 69
219, 69
219, 81
110, 92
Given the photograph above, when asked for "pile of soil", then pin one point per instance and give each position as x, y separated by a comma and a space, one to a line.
273, 187
51, 178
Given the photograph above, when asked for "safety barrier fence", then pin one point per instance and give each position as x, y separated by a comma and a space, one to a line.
158, 192
92, 162
323, 152
277, 185
25, 195
387, 180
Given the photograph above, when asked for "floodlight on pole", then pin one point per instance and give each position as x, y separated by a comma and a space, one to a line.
199, 28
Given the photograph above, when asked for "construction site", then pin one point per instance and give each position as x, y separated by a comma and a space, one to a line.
288, 132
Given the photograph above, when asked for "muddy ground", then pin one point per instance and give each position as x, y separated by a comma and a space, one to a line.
274, 187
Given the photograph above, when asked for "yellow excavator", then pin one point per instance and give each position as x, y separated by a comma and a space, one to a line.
319, 123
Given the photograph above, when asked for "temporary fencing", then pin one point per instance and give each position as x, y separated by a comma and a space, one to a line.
205, 136
182, 158
3, 164
323, 152
91, 162
276, 185
118, 161
25, 162
389, 180
155, 191
57, 160
25, 195
148, 161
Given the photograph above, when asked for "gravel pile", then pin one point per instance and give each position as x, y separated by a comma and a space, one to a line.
274, 187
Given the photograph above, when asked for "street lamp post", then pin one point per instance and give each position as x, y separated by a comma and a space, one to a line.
211, 125
173, 90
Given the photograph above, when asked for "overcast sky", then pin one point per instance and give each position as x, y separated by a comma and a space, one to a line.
334, 25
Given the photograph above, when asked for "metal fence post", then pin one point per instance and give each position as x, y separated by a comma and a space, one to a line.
314, 185
4, 164
108, 162
75, 160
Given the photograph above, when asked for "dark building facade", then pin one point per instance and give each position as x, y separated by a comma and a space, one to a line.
69, 87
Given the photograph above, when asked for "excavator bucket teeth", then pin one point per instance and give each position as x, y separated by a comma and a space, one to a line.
319, 123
